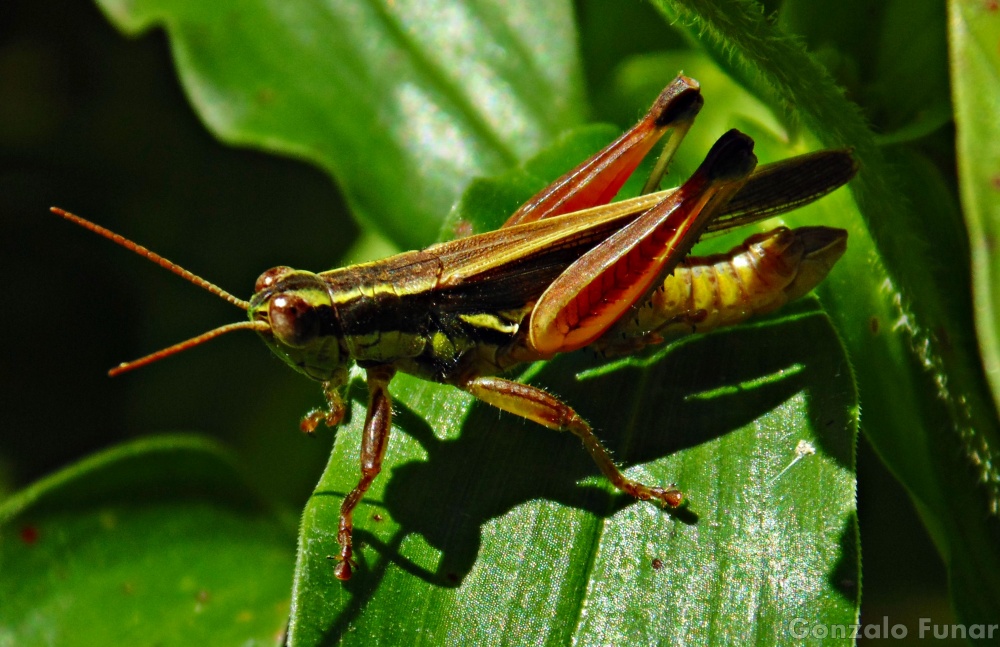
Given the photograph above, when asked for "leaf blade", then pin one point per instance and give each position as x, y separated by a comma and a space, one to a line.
148, 541
429, 95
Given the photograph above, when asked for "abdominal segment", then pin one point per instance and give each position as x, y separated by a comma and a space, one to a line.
706, 292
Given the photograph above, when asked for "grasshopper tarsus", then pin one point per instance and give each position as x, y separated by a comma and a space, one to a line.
343, 570
311, 421
334, 413
673, 497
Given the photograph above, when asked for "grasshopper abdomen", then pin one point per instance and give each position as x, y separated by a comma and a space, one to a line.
704, 293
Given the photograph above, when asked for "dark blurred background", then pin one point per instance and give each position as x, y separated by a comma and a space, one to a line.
98, 124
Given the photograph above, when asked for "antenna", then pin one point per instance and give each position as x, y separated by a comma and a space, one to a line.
153, 256
259, 326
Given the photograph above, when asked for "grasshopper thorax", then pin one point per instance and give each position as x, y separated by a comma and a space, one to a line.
302, 324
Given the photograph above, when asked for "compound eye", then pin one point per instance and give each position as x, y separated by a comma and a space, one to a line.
293, 320
270, 277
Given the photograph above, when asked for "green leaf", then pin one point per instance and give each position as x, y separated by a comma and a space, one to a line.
402, 102
155, 542
975, 31
902, 309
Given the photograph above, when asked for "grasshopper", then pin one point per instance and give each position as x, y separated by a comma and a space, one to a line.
566, 271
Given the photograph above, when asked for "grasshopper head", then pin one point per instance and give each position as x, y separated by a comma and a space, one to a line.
302, 324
